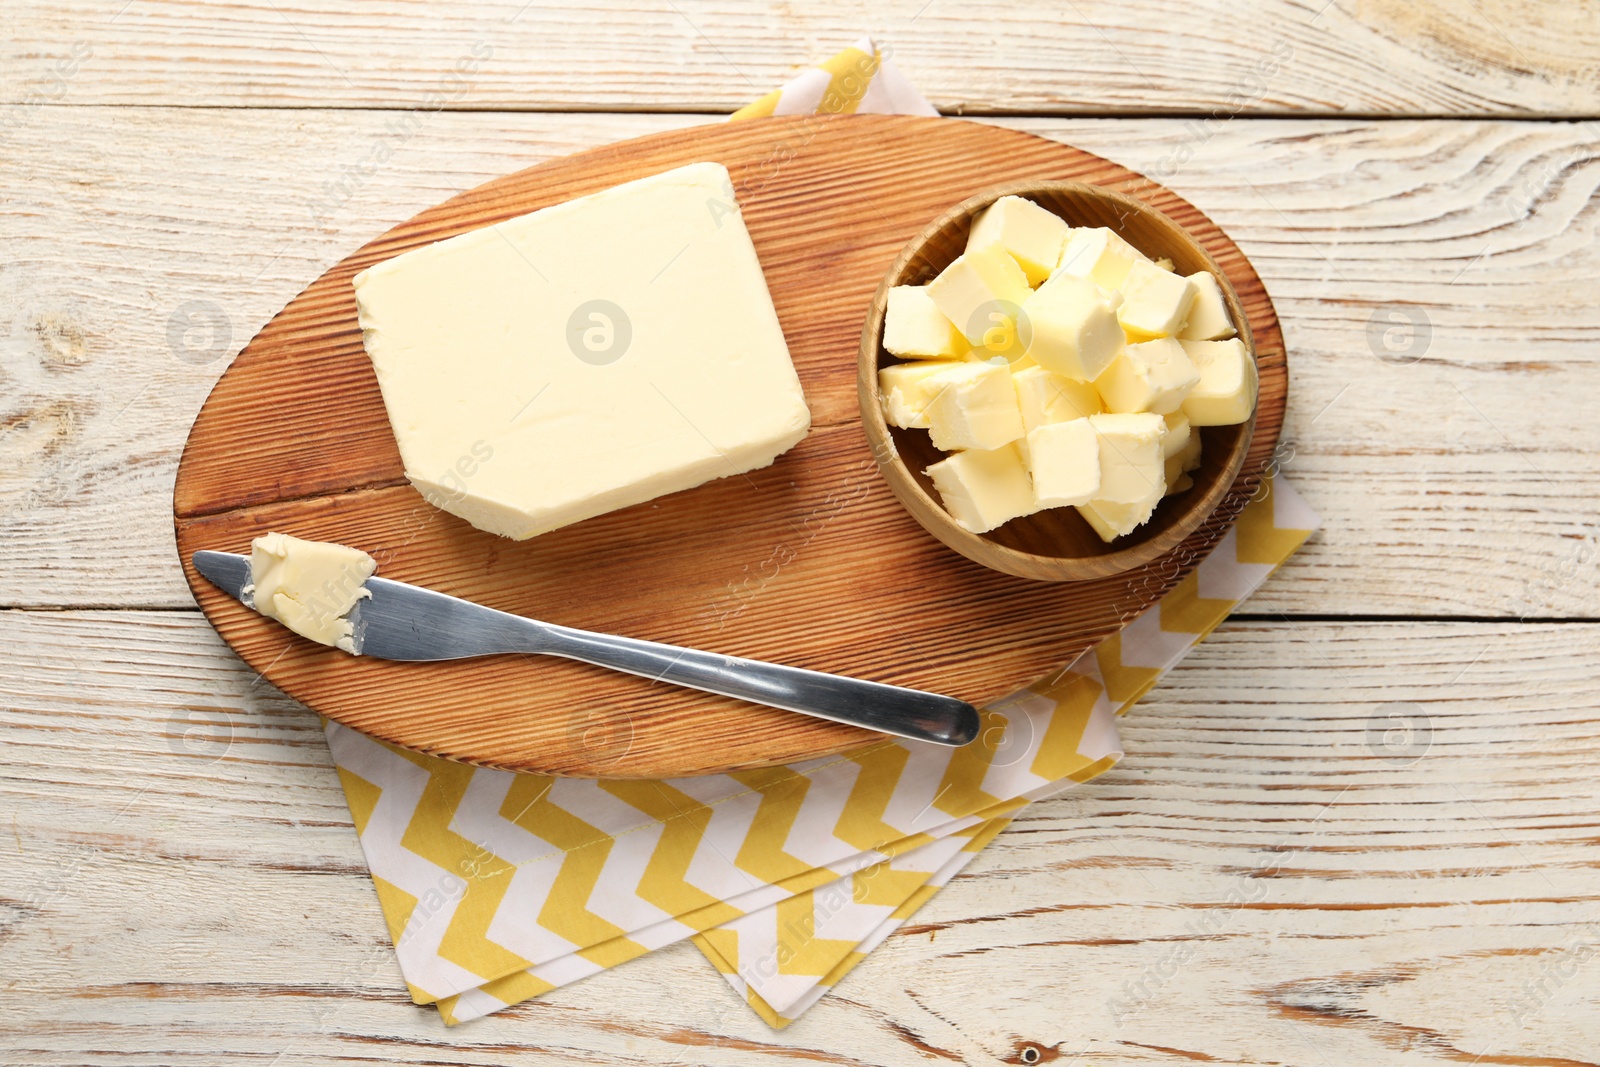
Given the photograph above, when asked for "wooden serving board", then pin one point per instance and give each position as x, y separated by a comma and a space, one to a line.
810, 562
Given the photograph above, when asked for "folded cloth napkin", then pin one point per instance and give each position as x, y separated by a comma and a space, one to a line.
498, 887
859, 80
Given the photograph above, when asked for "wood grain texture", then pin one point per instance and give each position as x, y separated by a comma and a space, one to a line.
1481, 453
1270, 877
1210, 57
814, 563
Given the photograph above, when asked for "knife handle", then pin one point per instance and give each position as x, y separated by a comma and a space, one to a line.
890, 709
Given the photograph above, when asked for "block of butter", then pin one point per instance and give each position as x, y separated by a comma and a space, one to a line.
1225, 392
1180, 463
1178, 433
1046, 397
1071, 328
984, 488
1100, 255
1155, 302
1132, 468
1208, 315
1064, 458
1112, 521
1148, 376
981, 292
1180, 448
585, 357
309, 586
907, 389
915, 328
974, 405
1033, 235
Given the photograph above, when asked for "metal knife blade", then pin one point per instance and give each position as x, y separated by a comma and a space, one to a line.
407, 622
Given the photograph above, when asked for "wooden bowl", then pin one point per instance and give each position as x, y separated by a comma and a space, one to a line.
1056, 545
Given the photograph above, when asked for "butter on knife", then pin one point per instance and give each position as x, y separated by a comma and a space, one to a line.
309, 586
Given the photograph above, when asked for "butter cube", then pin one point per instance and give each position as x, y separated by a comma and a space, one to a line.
1183, 458
1064, 458
1047, 397
1225, 393
1131, 465
983, 489
915, 328
1155, 302
1190, 453
1033, 235
1208, 315
1148, 376
1172, 470
1178, 434
981, 291
1111, 521
906, 389
974, 405
1071, 328
1100, 255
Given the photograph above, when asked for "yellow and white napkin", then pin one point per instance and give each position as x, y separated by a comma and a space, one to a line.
859, 80
498, 887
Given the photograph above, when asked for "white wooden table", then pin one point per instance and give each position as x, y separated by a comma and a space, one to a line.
1360, 825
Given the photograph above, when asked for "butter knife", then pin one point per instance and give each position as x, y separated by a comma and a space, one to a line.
407, 622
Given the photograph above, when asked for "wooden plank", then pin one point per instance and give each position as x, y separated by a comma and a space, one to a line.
1090, 56
1481, 454
294, 438
1280, 872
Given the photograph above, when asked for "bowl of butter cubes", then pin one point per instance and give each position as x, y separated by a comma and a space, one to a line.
1058, 381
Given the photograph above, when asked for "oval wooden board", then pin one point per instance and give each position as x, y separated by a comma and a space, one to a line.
810, 562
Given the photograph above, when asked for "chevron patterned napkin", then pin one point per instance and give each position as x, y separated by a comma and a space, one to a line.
498, 887
859, 80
